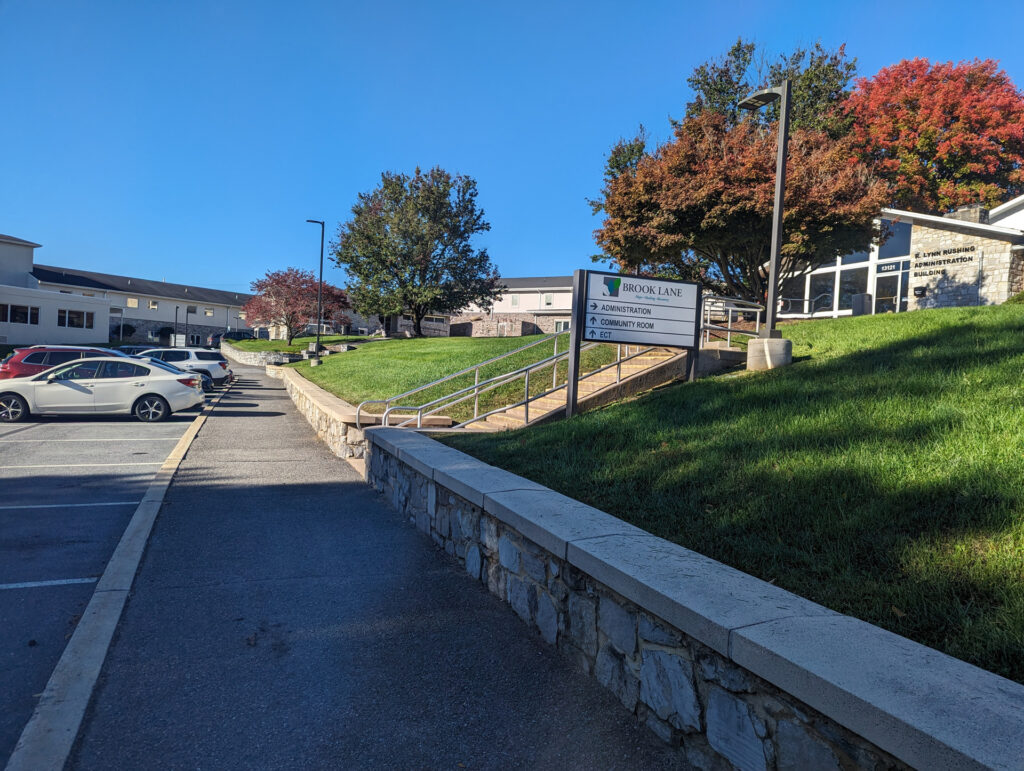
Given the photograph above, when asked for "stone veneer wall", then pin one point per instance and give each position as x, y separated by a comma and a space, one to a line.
256, 358
515, 324
959, 268
732, 670
332, 418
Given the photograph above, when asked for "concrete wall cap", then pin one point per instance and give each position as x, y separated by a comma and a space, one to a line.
473, 480
698, 595
553, 520
926, 708
393, 439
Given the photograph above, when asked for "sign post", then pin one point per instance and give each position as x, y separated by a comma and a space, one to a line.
617, 308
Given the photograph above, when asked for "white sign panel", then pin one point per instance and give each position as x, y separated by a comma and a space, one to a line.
178, 341
628, 309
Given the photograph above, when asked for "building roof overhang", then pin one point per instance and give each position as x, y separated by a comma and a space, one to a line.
960, 226
17, 241
1006, 209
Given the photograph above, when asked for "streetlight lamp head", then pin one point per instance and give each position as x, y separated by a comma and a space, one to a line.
316, 222
759, 99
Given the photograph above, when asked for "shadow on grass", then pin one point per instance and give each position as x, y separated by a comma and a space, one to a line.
886, 483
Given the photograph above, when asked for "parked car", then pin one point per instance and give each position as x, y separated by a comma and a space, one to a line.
213, 341
132, 350
38, 358
194, 360
107, 385
207, 380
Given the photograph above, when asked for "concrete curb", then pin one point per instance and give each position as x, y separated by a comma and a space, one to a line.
50, 733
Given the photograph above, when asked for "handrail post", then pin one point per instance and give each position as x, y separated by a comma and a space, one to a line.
526, 403
728, 335
579, 293
618, 364
476, 395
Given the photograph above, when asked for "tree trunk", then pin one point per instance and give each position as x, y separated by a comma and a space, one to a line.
417, 329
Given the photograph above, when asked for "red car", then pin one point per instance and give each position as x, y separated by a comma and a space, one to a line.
37, 358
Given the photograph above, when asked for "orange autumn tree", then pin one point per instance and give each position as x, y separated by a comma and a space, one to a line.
708, 195
941, 135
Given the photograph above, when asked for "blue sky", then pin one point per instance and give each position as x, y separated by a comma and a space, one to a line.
189, 141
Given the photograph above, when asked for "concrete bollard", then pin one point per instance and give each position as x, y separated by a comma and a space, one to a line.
769, 353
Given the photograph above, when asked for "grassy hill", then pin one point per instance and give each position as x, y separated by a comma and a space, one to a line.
881, 475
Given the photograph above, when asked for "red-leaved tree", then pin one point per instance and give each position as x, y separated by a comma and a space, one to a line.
287, 298
708, 195
941, 135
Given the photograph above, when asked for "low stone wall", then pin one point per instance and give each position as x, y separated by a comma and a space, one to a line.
256, 358
734, 671
332, 418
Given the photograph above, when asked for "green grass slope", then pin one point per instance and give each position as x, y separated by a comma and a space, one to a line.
881, 475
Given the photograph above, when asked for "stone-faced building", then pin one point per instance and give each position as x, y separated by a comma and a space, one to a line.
972, 256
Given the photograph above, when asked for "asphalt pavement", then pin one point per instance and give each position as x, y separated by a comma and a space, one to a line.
285, 617
69, 487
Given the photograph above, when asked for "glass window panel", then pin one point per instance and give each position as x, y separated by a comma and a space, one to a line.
153, 305
33, 316
822, 293
903, 290
62, 318
123, 369
792, 294
76, 319
855, 257
4, 310
19, 314
175, 355
89, 319
35, 358
885, 293
851, 282
898, 244
131, 302
53, 358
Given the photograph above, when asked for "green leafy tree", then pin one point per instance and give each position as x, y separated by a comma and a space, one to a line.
408, 247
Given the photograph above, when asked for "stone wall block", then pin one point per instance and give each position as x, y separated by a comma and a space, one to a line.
612, 671
469, 522
522, 599
441, 522
489, 534
508, 554
732, 733
473, 561
798, 749
534, 567
666, 686
582, 626
496, 579
732, 678
547, 617
618, 624
655, 632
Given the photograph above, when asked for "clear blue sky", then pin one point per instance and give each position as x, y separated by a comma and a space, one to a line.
190, 140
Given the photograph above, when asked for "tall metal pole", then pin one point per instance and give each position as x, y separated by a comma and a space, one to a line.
174, 342
579, 310
769, 330
319, 290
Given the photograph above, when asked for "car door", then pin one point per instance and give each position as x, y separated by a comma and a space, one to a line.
68, 390
119, 384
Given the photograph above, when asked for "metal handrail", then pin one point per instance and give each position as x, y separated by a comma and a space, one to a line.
807, 310
729, 305
460, 373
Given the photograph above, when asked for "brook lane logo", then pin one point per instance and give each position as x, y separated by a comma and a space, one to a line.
611, 287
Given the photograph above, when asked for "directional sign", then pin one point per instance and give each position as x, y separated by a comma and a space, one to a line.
629, 309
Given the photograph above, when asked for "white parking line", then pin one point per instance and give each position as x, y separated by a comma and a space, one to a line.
59, 582
114, 439
84, 465
70, 505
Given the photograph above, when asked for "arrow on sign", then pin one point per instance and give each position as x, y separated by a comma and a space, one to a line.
593, 306
593, 320
593, 333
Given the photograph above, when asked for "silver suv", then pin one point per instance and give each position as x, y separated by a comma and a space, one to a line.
194, 360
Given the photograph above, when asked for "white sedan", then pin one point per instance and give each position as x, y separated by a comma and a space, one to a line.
107, 385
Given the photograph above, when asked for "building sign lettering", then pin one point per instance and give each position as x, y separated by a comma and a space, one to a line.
935, 263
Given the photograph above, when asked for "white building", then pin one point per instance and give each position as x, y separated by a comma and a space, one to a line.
48, 304
528, 306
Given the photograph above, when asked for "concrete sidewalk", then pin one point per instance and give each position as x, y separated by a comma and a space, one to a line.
285, 617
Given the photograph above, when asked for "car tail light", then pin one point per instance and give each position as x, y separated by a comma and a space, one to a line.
191, 382
223, 364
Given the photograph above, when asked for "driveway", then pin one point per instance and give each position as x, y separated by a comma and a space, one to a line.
69, 487
285, 617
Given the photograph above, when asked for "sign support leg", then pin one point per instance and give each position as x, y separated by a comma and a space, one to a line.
579, 300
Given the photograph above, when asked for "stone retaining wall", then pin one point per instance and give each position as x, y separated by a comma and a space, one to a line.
256, 358
330, 417
734, 671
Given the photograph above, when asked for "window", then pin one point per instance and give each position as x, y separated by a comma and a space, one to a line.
406, 317
195, 339
513, 300
153, 305
65, 291
122, 369
209, 356
152, 334
549, 300
561, 326
241, 315
4, 313
898, 244
434, 319
117, 311
855, 257
174, 355
131, 302
85, 371
851, 282
35, 358
207, 311
23, 314
822, 290
88, 294
53, 358
75, 319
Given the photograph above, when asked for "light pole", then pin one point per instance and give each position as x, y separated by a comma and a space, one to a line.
755, 102
319, 294
174, 343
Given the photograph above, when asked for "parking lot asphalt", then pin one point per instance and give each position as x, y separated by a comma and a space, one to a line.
68, 487
285, 617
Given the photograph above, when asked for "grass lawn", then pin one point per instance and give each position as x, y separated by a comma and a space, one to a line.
388, 368
298, 345
881, 475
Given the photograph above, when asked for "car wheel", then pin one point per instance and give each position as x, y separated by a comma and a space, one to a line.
151, 408
12, 408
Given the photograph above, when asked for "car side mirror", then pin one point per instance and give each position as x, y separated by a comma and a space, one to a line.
50, 378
